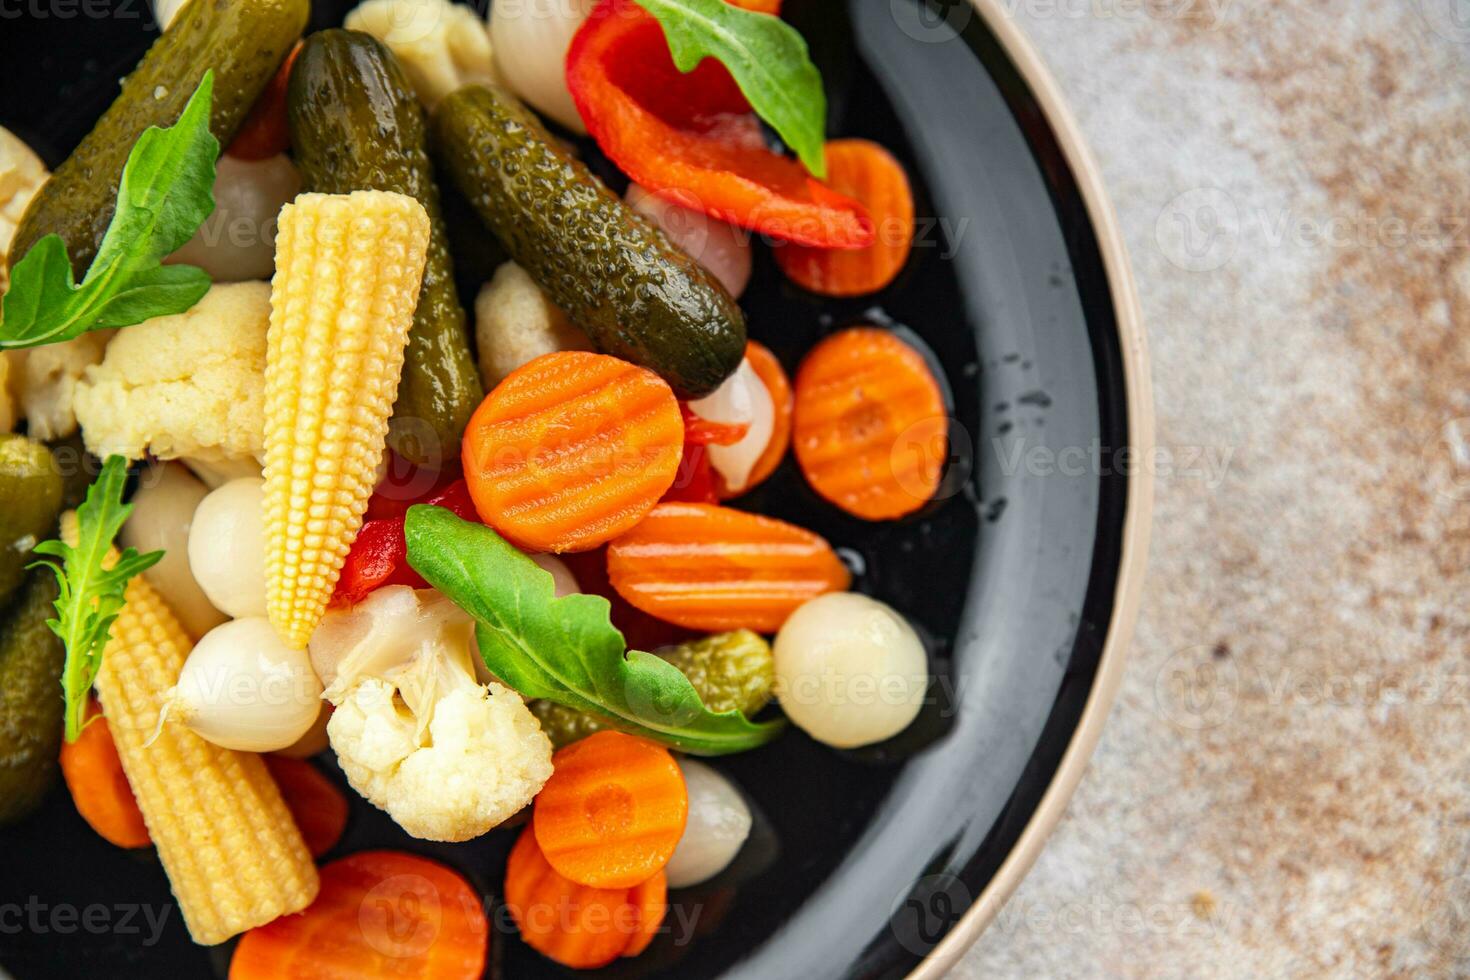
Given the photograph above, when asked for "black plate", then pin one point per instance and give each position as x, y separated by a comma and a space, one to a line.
862, 860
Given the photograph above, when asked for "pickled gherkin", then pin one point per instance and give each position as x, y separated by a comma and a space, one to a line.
612, 271
728, 670
30, 697
356, 125
243, 41
30, 500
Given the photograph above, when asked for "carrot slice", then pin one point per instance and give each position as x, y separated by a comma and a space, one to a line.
769, 370
378, 914
715, 568
571, 450
870, 424
651, 900
576, 925
865, 171
99, 788
613, 810
319, 807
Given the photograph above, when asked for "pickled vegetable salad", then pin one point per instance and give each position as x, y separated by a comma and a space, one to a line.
490, 566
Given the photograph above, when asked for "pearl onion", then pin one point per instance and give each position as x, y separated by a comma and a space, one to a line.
719, 822
530, 40
227, 547
163, 509
721, 248
849, 670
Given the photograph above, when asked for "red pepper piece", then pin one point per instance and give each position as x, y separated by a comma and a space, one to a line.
679, 135
265, 131
379, 556
700, 431
695, 481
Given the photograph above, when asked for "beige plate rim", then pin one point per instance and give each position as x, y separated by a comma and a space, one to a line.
1139, 395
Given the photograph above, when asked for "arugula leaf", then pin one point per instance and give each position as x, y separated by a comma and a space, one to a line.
91, 587
166, 192
565, 649
767, 58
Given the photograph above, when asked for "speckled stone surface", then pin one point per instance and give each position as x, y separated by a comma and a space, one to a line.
1283, 788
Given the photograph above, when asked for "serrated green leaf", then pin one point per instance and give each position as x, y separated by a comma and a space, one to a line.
165, 193
91, 591
767, 58
565, 649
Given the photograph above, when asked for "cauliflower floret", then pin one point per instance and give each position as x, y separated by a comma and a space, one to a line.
190, 385
45, 381
516, 323
442, 46
446, 757
21, 174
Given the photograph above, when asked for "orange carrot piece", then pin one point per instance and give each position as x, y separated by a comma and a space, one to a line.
714, 568
651, 900
319, 808
378, 914
265, 131
865, 171
759, 6
571, 450
576, 925
99, 788
769, 370
612, 812
870, 425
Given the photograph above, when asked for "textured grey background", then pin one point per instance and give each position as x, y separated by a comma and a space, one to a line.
1282, 788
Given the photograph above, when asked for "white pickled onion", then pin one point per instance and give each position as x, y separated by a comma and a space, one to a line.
530, 39
742, 400
721, 248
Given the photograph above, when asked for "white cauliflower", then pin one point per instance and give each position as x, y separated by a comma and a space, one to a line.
21, 174
446, 757
188, 386
45, 381
442, 46
516, 323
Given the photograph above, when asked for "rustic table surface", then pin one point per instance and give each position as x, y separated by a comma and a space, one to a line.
1283, 787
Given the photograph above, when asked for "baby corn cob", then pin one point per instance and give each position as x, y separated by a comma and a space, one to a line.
348, 271
233, 854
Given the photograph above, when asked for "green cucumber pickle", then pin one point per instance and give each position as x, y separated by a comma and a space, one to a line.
613, 272
30, 697
244, 41
30, 501
356, 125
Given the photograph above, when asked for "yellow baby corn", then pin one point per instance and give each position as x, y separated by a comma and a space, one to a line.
233, 854
348, 271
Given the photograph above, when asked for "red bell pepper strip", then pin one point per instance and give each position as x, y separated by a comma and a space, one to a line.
379, 555
265, 131
688, 139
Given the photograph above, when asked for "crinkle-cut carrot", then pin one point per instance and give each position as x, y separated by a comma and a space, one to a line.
651, 900
99, 788
870, 424
379, 914
318, 807
613, 810
769, 370
577, 925
862, 170
714, 568
571, 450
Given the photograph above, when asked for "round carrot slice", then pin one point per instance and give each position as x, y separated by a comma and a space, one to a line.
714, 568
865, 171
650, 899
577, 925
571, 450
378, 914
319, 808
98, 785
769, 370
870, 426
613, 810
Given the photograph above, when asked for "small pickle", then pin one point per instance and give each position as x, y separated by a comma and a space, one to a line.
30, 499
728, 670
30, 698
